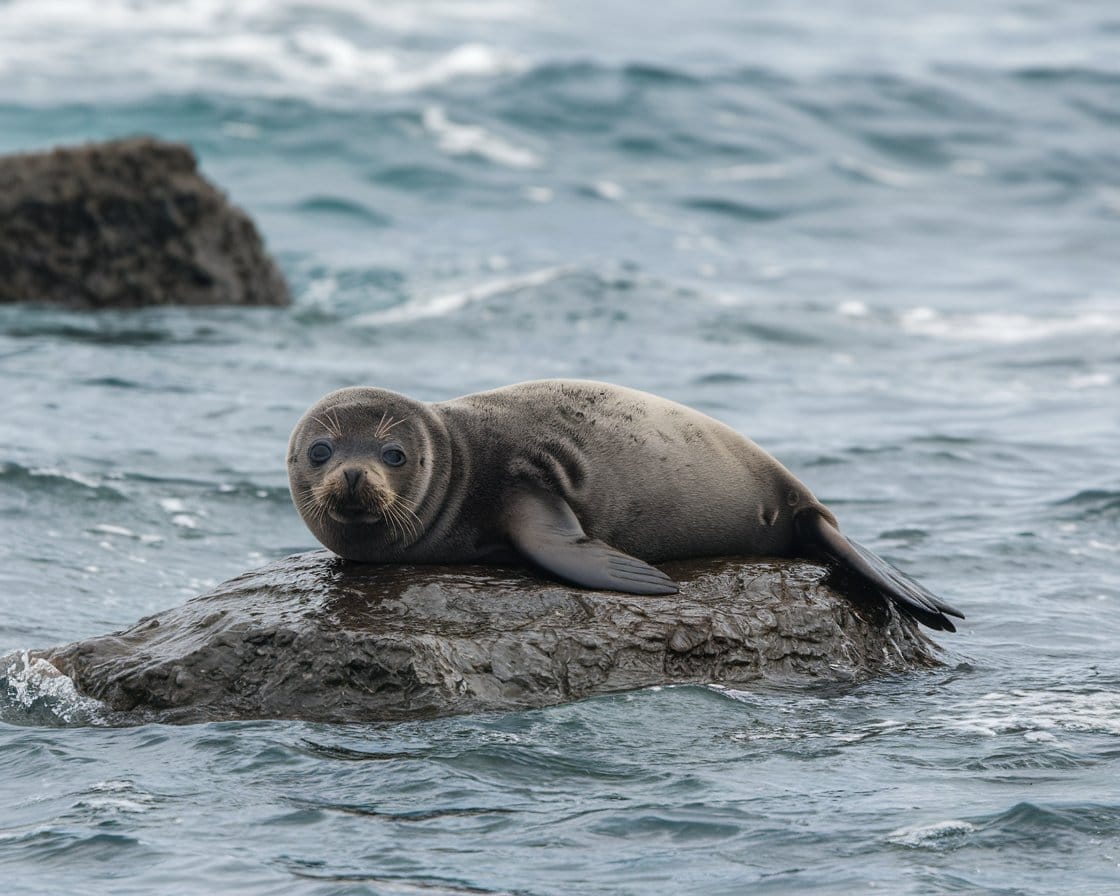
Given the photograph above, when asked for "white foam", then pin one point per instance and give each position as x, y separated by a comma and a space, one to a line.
31, 684
853, 309
1042, 717
52, 49
468, 139
1030, 714
1090, 381
880, 174
939, 834
116, 796
108, 529
1005, 328
180, 517
80, 478
607, 189
447, 303
466, 61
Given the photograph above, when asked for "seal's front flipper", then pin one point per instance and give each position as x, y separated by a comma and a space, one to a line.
818, 534
546, 531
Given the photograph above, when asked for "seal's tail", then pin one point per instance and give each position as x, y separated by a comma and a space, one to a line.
854, 559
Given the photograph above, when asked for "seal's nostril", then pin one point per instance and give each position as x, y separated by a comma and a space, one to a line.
352, 478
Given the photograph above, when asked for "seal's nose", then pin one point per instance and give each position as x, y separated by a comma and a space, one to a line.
353, 477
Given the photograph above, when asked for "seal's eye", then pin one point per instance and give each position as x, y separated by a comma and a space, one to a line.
393, 455
320, 452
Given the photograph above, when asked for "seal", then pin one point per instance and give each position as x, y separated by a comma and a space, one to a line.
588, 481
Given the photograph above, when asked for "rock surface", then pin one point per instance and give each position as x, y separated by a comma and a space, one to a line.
312, 637
125, 224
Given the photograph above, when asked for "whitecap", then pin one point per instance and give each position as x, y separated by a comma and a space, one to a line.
116, 797
879, 174
55, 472
607, 189
196, 44
447, 303
853, 309
1004, 328
466, 139
109, 529
1090, 381
940, 834
1031, 713
465, 61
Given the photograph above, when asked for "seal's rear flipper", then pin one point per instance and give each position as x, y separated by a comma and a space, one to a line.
546, 531
818, 534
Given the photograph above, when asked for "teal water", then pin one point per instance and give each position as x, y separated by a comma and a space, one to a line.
880, 239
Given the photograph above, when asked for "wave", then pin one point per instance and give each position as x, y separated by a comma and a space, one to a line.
444, 304
133, 329
1005, 327
743, 211
336, 206
472, 140
1043, 717
1023, 821
1041, 713
40, 479
1092, 504
272, 49
938, 835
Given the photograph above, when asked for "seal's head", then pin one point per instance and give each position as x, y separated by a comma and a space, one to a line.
362, 464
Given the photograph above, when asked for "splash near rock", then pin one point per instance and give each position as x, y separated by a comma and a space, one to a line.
126, 224
34, 692
312, 637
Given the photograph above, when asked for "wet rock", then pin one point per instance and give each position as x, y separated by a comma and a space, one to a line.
125, 224
312, 637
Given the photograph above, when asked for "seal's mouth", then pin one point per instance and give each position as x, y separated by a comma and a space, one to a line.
348, 505
360, 496
350, 513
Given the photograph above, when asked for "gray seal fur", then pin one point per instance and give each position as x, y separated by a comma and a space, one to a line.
589, 481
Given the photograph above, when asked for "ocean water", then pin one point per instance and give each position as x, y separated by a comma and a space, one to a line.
882, 239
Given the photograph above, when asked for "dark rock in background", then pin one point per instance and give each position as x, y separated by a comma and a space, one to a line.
126, 224
312, 637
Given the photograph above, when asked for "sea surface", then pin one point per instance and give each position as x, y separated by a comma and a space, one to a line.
882, 239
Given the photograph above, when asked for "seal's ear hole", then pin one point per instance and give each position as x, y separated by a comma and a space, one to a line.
393, 455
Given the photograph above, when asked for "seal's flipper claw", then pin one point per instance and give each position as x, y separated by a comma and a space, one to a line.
852, 557
546, 531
